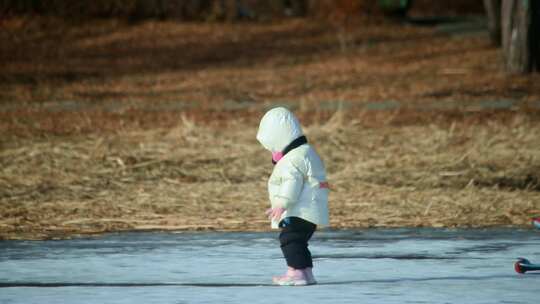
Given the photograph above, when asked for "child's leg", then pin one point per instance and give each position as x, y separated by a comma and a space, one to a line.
294, 238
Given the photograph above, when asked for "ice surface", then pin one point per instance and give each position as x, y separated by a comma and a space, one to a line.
361, 266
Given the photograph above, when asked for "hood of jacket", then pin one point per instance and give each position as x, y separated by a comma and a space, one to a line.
278, 128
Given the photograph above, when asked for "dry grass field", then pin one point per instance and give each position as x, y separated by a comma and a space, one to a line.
109, 126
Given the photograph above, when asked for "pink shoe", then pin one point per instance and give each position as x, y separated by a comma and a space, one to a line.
308, 272
293, 277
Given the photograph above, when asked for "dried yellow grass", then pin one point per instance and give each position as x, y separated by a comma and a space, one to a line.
193, 177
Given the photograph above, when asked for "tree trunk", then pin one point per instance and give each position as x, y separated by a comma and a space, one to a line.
520, 35
493, 12
534, 36
224, 10
147, 9
298, 8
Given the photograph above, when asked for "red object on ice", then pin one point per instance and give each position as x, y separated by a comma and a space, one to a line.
523, 265
518, 268
536, 222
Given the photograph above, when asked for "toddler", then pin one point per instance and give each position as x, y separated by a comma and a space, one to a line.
298, 192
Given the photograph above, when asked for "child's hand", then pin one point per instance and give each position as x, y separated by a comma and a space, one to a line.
275, 213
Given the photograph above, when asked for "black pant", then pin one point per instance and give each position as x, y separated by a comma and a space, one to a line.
294, 237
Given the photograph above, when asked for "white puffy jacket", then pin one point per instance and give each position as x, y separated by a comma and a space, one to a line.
298, 181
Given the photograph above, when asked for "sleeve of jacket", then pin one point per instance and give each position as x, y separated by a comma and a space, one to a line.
292, 181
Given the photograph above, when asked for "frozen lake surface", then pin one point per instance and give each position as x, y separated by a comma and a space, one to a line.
361, 266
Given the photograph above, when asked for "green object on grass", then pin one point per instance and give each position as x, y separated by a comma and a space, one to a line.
525, 4
392, 5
